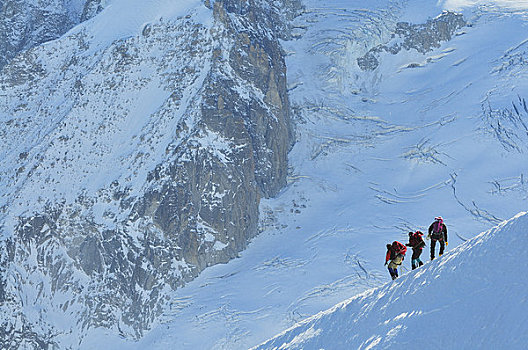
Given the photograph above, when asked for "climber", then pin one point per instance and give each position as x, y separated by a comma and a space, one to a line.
417, 244
438, 232
395, 254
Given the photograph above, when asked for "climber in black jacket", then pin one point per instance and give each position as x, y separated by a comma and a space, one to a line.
438, 232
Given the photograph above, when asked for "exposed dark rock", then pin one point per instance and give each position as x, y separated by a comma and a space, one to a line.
420, 37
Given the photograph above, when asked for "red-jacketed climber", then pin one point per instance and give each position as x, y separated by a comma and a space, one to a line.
395, 254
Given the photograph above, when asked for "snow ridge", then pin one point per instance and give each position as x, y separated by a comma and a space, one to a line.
458, 301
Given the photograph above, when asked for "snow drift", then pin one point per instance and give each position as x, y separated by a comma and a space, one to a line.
459, 301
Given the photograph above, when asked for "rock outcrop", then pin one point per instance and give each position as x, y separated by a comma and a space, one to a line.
28, 23
420, 37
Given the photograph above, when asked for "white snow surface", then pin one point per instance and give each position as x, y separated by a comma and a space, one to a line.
461, 4
125, 18
459, 301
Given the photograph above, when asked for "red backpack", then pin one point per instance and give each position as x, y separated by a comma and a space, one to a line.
399, 248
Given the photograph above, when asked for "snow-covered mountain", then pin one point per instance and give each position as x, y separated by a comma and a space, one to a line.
474, 297
151, 141
135, 150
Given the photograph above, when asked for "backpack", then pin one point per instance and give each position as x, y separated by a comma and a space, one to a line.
438, 227
417, 241
399, 248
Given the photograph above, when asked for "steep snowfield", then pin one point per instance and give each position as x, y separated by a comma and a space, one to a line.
474, 297
125, 18
379, 153
63, 138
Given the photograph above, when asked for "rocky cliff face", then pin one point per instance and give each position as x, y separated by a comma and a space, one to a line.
27, 23
130, 164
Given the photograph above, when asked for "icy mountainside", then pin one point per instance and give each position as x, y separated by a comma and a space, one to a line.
378, 153
473, 297
27, 23
134, 153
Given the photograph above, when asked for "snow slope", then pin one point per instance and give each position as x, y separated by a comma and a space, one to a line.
91, 136
474, 297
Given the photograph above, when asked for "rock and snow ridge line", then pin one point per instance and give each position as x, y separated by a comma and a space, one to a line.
459, 300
